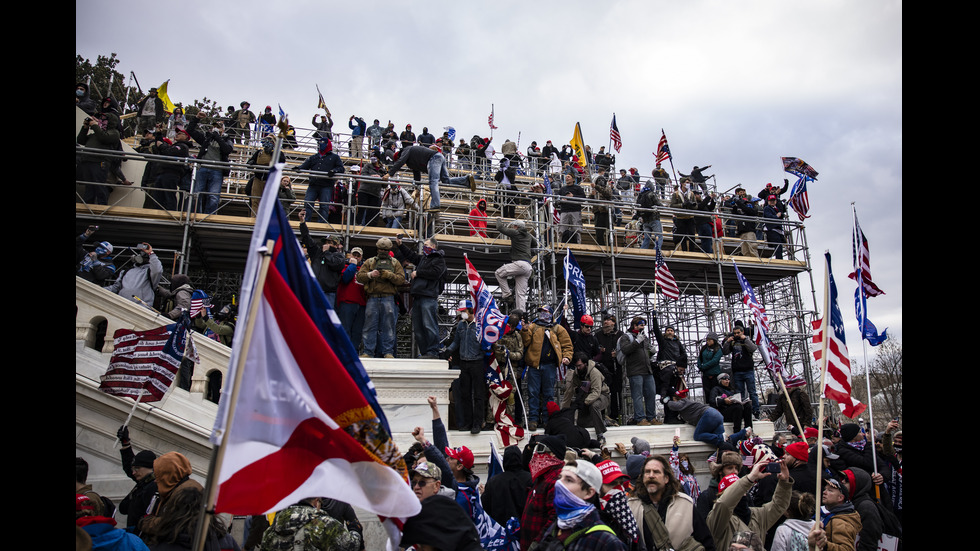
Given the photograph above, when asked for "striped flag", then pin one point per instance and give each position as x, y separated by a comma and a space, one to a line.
769, 351
617, 140
144, 363
862, 261
837, 385
306, 421
320, 104
490, 118
663, 151
491, 324
665, 279
799, 200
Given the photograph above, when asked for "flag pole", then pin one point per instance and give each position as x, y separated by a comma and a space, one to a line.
210, 490
824, 341
864, 345
782, 384
218, 452
517, 388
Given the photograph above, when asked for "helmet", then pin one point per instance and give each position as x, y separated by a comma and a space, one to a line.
587, 320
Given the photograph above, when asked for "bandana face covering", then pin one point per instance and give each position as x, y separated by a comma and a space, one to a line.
540, 462
570, 508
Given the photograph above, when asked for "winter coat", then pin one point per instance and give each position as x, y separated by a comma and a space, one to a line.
506, 493
534, 335
723, 524
637, 349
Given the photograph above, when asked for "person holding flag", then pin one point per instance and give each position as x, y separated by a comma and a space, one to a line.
472, 382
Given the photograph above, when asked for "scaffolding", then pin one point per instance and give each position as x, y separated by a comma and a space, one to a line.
211, 249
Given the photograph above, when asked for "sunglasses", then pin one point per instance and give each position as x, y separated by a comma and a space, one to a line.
420, 482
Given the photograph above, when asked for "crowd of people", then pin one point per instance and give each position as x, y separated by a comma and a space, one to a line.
575, 185
554, 493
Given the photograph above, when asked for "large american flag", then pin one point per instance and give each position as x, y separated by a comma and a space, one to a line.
769, 351
144, 363
862, 262
837, 385
490, 119
617, 140
665, 279
663, 152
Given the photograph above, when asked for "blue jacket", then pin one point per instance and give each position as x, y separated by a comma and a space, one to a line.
359, 128
466, 341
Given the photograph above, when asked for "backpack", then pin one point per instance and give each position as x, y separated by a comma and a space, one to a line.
620, 355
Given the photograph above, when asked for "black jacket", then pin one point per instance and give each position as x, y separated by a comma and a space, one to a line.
136, 502
506, 493
429, 271
327, 265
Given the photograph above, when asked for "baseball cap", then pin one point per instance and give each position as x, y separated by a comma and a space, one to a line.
461, 454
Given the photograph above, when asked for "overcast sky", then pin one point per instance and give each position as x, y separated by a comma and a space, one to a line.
736, 85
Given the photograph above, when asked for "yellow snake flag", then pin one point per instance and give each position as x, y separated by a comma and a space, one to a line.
168, 105
578, 145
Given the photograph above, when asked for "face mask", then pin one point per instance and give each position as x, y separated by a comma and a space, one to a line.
544, 316
539, 462
427, 250
79, 93
464, 316
483, 208
570, 508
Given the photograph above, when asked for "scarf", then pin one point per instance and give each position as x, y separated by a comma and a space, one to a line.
571, 509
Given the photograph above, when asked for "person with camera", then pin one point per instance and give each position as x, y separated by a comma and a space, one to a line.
216, 147
743, 366
586, 392
327, 260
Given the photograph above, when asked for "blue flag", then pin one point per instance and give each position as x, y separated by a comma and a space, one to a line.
868, 329
576, 287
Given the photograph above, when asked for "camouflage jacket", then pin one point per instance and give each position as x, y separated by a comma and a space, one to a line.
305, 528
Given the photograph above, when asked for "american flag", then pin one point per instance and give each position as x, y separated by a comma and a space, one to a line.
769, 351
199, 301
144, 363
862, 262
617, 140
799, 200
663, 151
837, 384
490, 119
665, 279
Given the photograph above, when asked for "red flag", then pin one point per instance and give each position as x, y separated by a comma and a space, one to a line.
144, 363
306, 422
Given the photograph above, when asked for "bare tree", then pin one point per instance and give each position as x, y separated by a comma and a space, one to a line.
885, 373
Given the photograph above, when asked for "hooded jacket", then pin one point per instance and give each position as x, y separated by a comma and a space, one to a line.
864, 504
506, 492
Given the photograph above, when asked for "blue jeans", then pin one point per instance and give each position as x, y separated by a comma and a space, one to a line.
744, 382
704, 231
652, 228
380, 316
425, 324
394, 223
541, 390
208, 182
439, 173
643, 390
352, 320
321, 194
710, 428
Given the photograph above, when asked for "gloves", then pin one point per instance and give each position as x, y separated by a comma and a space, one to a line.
123, 435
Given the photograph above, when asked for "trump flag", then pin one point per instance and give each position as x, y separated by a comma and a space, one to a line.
304, 420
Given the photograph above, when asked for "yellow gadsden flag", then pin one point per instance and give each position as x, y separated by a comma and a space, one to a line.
168, 105
578, 145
